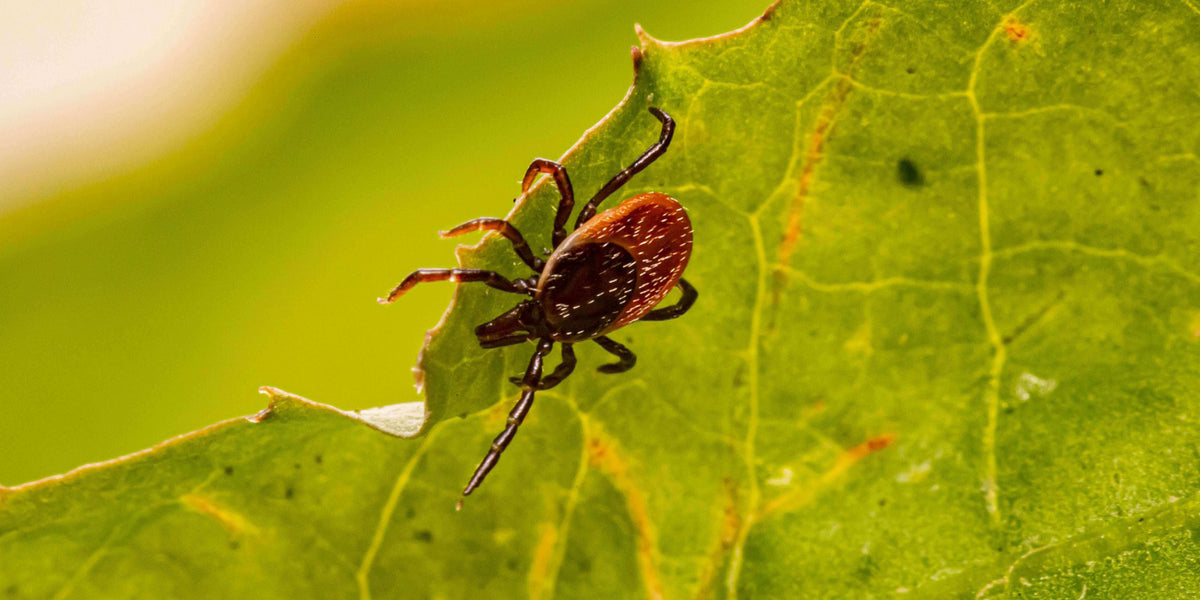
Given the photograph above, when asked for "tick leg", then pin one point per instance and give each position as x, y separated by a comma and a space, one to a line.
495, 280
504, 341
565, 191
529, 385
505, 229
627, 359
560, 372
670, 312
650, 155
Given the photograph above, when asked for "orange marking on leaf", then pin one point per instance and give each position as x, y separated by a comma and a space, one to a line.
805, 493
861, 451
731, 524
821, 134
1016, 30
604, 455
233, 523
543, 554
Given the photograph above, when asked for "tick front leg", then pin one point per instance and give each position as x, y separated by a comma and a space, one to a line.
650, 155
625, 356
505, 229
529, 385
560, 372
677, 309
492, 279
567, 194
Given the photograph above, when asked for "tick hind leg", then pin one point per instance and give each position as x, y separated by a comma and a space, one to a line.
650, 155
505, 229
492, 279
567, 194
677, 309
625, 356
566, 367
529, 386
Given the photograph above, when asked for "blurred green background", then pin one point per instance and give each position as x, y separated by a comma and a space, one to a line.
145, 302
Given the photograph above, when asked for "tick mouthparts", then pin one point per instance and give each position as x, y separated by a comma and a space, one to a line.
458, 507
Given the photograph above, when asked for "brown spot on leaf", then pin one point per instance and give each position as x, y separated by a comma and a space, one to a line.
1016, 30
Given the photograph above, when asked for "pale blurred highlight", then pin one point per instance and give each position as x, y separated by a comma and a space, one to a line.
90, 87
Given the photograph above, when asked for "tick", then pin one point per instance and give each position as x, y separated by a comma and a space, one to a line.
612, 270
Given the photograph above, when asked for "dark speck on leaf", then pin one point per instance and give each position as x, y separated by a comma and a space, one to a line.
410, 513
1099, 172
318, 459
234, 545
512, 564
910, 70
462, 415
908, 173
289, 493
296, 466
423, 535
11, 591
229, 470
883, 501
866, 568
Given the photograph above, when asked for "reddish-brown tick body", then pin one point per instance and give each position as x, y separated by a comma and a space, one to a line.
615, 268
611, 271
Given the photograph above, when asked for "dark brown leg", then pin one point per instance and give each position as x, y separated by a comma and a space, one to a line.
560, 372
505, 229
650, 155
565, 191
670, 312
495, 280
504, 341
625, 356
529, 385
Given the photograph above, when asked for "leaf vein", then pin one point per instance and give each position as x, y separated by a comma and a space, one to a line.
385, 516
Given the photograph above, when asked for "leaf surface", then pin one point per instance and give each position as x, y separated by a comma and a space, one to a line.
947, 345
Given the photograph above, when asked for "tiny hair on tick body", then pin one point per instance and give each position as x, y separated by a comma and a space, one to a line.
612, 270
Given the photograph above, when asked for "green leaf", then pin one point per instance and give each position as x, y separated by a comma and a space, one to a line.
947, 345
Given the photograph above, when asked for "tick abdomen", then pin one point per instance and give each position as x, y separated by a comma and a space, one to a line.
654, 230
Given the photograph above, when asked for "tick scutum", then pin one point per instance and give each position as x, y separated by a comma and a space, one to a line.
585, 288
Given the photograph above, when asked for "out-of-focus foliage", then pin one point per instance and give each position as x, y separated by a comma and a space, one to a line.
156, 302
947, 345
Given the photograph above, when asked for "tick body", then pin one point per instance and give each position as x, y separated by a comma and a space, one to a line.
612, 270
